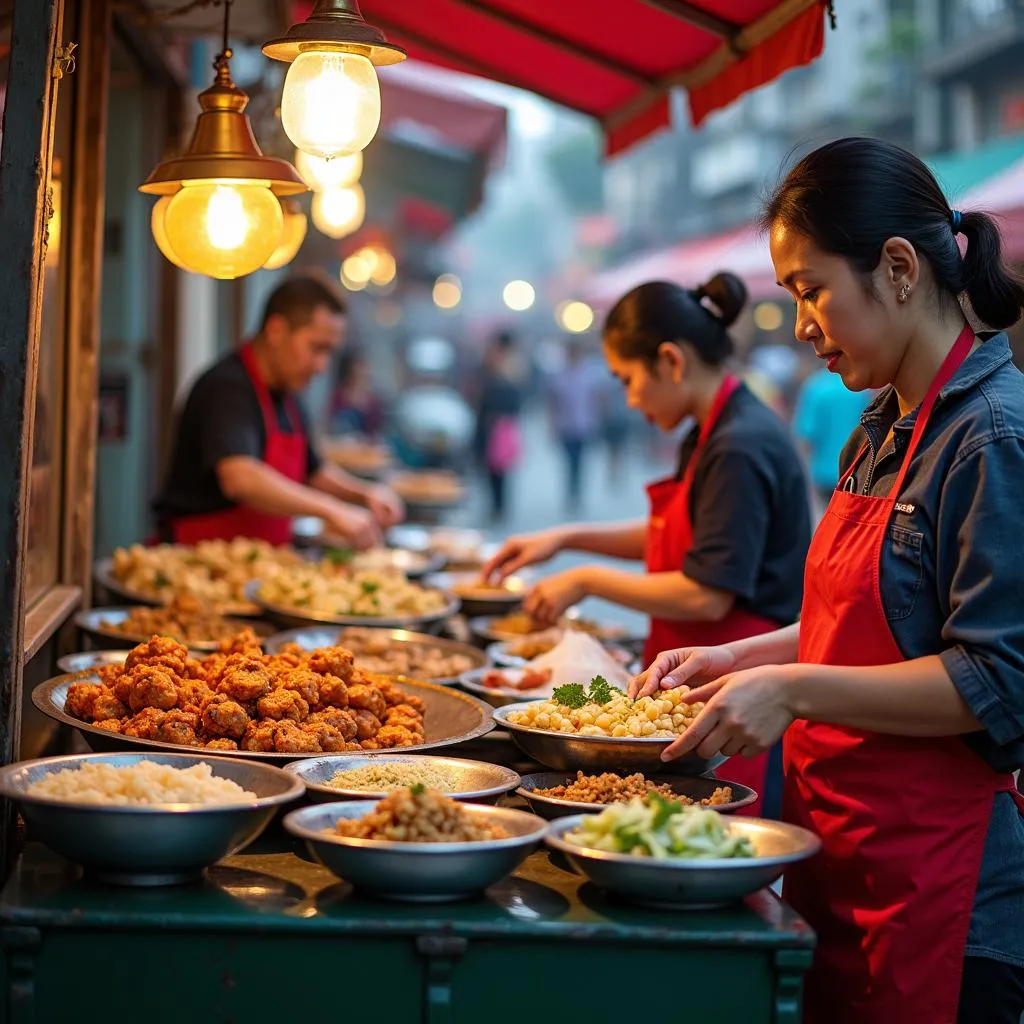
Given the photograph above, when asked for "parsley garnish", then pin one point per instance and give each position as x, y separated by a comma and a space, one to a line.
161, 579
573, 695
339, 556
417, 789
370, 586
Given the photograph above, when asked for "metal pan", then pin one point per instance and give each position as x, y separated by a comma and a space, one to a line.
95, 624
485, 601
450, 717
311, 638
485, 629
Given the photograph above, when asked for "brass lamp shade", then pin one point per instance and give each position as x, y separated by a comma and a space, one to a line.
223, 146
336, 24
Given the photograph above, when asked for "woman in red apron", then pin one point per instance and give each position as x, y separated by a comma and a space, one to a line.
724, 542
901, 691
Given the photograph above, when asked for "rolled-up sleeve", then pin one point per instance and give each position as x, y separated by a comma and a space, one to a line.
980, 565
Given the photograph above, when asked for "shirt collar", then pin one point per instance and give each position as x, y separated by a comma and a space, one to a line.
980, 364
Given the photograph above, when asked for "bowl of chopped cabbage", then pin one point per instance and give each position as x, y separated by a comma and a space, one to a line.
660, 853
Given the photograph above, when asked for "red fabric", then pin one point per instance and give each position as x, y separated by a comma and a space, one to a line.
285, 452
606, 58
669, 538
902, 820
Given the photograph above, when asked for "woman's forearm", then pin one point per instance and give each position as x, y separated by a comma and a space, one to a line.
666, 595
776, 648
616, 540
909, 698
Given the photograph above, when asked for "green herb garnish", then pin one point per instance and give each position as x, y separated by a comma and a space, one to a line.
600, 691
370, 587
417, 789
161, 579
572, 695
339, 556
254, 554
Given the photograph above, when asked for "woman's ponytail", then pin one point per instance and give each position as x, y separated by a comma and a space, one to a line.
996, 293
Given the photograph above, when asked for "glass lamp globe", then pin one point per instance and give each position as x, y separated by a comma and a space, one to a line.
224, 228
159, 228
292, 237
331, 102
339, 211
321, 175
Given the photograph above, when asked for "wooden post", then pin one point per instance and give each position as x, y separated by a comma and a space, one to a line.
88, 169
24, 174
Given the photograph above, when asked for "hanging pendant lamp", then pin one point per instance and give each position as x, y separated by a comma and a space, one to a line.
223, 219
331, 101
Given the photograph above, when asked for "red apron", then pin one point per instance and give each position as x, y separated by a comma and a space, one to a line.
669, 538
285, 452
902, 820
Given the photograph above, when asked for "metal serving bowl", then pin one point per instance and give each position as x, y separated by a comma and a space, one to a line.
472, 781
311, 638
569, 751
486, 629
696, 789
450, 717
691, 883
96, 624
460, 548
473, 681
289, 617
158, 845
501, 654
89, 661
414, 565
103, 574
486, 601
418, 872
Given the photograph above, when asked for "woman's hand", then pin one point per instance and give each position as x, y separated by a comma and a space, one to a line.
548, 601
745, 713
689, 666
387, 507
518, 552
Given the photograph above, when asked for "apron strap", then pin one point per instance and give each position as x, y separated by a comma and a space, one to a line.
725, 391
248, 357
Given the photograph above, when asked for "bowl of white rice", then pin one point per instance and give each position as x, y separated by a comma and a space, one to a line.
331, 777
147, 819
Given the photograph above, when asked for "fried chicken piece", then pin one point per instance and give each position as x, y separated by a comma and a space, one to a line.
396, 736
152, 687
179, 727
332, 661
109, 674
367, 698
391, 693
259, 736
290, 738
292, 650
246, 642
107, 705
224, 717
333, 692
194, 669
283, 704
329, 739
110, 724
122, 688
161, 652
81, 700
247, 680
193, 694
304, 682
222, 743
283, 662
367, 724
369, 745
410, 725
337, 718
145, 724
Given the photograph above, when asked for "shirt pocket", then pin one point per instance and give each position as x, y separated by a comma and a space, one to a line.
903, 572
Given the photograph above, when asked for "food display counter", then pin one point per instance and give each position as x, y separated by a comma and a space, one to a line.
269, 935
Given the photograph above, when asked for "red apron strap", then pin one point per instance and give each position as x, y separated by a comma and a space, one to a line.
248, 356
725, 391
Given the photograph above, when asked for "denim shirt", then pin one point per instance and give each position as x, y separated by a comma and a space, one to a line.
952, 584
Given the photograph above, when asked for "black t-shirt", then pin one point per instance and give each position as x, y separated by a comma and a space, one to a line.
749, 510
221, 417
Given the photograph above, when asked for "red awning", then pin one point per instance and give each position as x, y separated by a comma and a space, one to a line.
743, 250
1003, 196
615, 60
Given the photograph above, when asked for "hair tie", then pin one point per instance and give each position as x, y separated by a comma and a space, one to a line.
954, 218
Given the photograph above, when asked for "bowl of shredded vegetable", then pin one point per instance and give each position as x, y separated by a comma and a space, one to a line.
659, 852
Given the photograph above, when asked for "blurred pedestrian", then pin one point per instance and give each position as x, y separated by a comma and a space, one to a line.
826, 414
498, 442
575, 401
616, 424
356, 408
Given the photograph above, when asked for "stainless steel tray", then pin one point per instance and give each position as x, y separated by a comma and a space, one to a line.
312, 638
91, 623
450, 717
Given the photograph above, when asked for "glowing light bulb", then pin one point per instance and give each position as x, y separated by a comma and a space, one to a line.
292, 237
356, 272
339, 211
158, 226
224, 228
575, 317
519, 295
331, 102
321, 175
384, 268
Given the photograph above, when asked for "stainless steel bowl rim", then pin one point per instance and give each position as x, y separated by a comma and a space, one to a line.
9, 772
472, 680
294, 822
393, 622
501, 713
43, 700
91, 620
557, 830
510, 779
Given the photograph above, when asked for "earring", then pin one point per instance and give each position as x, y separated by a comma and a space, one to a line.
904, 293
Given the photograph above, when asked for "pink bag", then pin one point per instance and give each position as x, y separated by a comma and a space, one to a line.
504, 446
